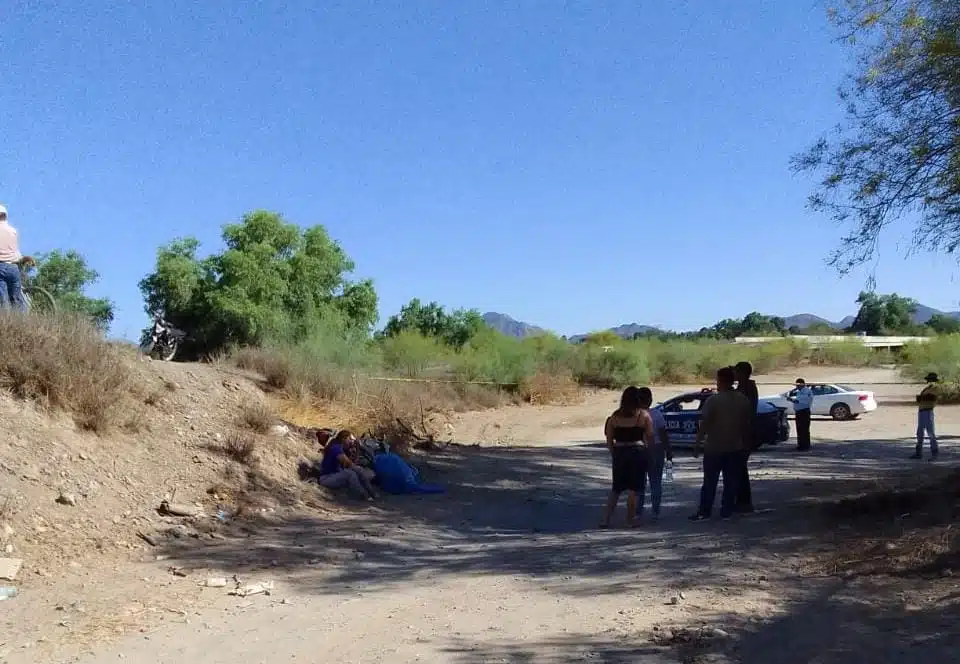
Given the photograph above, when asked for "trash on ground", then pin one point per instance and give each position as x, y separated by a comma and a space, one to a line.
264, 588
9, 567
215, 582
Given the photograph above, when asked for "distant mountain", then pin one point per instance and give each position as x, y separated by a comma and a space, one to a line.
511, 327
625, 331
515, 328
804, 321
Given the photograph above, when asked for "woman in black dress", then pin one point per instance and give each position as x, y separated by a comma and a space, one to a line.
627, 432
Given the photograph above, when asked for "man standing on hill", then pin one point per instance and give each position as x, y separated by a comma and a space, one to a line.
926, 401
11, 287
725, 424
748, 388
802, 403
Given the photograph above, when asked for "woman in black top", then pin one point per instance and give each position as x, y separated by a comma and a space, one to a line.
626, 432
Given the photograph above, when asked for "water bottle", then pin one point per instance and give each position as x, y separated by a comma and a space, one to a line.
7, 592
668, 472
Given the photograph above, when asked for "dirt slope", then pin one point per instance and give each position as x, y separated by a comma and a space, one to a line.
76, 553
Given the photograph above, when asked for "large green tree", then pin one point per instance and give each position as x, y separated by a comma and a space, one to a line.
273, 279
66, 276
454, 328
884, 314
896, 154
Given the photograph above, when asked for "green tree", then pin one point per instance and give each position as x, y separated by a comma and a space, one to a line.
897, 151
455, 328
884, 314
66, 276
273, 280
944, 324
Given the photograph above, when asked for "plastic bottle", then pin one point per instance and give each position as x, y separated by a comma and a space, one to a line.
7, 592
668, 472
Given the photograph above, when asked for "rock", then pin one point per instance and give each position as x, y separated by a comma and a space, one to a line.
675, 600
177, 509
279, 430
83, 457
6, 532
67, 499
9, 567
8, 549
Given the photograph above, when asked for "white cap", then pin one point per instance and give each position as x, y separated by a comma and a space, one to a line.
3, 210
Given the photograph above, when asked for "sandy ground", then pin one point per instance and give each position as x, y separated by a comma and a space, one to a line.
509, 567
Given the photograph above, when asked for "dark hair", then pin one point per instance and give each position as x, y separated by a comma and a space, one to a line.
725, 376
800, 381
745, 368
932, 378
646, 396
630, 402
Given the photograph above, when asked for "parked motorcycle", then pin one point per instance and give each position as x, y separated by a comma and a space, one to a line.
163, 340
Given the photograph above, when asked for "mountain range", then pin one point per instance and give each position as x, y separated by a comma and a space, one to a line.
515, 328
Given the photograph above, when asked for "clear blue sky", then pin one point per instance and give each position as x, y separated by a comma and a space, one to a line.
574, 164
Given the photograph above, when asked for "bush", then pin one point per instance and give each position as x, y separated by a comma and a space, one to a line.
940, 355
63, 362
412, 355
616, 367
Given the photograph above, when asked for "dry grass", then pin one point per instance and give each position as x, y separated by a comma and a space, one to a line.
240, 447
257, 416
62, 362
907, 530
544, 388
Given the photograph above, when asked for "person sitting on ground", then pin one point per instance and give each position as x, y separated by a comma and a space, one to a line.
659, 452
627, 432
725, 424
337, 470
926, 401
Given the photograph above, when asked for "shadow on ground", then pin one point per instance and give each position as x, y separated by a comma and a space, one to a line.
533, 511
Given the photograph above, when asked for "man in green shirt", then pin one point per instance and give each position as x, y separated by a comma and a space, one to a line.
926, 401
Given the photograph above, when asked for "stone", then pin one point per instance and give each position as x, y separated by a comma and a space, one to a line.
67, 499
215, 582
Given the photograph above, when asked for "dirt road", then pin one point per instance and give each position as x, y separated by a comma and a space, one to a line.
509, 567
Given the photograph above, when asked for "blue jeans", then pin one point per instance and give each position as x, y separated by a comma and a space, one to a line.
658, 456
925, 424
11, 287
715, 464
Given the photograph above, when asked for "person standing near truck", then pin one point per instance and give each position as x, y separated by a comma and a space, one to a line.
748, 388
926, 401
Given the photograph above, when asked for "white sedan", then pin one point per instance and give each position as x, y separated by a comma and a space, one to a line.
840, 402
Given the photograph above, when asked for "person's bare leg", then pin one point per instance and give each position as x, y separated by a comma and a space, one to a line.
612, 501
631, 508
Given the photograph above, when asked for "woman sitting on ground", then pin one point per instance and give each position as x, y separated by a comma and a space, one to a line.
338, 470
628, 431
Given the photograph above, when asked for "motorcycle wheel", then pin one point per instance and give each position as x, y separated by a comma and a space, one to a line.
168, 350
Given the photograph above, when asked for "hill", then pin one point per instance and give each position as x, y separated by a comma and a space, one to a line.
515, 328
510, 326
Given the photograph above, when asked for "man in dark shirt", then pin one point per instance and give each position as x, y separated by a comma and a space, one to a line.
748, 388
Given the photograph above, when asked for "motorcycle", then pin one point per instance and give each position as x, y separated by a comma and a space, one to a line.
163, 341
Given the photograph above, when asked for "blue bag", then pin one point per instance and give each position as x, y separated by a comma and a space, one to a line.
394, 475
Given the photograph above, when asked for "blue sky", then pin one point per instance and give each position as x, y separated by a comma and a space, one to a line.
575, 164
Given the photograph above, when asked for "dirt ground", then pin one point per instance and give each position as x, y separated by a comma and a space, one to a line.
508, 565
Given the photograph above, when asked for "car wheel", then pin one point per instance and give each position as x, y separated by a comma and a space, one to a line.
840, 411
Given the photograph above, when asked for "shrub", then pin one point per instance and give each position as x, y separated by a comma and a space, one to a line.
256, 416
412, 355
616, 367
63, 362
240, 447
544, 388
940, 355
